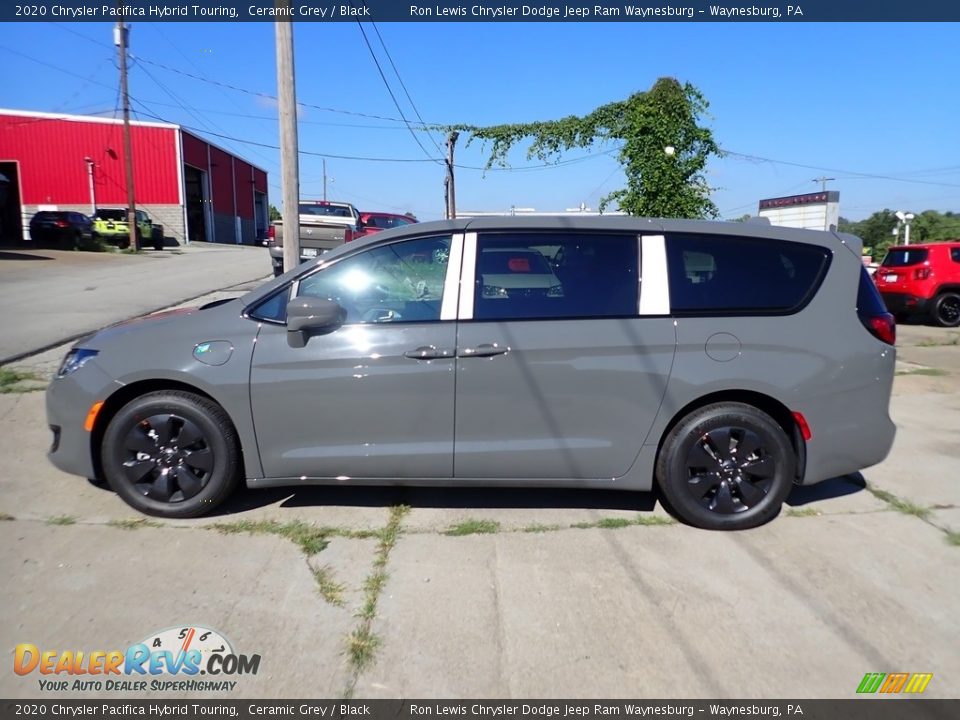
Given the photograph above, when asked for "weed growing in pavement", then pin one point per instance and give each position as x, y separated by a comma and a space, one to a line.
329, 589
955, 340
133, 523
473, 527
953, 538
538, 528
616, 523
907, 507
362, 643
61, 520
805, 512
932, 372
11, 381
309, 538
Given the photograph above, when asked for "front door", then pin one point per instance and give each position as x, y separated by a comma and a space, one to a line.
374, 398
559, 376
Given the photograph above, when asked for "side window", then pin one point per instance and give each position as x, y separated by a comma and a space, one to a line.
556, 275
400, 282
722, 274
955, 254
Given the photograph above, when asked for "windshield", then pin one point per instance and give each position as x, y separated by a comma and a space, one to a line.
112, 214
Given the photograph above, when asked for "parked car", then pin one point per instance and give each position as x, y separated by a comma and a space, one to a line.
748, 359
922, 280
324, 225
111, 225
61, 227
374, 222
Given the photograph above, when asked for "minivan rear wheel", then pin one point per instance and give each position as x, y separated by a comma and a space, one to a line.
726, 466
946, 309
171, 454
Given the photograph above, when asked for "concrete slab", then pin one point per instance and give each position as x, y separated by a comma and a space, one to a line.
101, 588
947, 519
802, 607
922, 465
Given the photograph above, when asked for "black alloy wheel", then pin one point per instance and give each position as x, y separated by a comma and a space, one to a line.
946, 309
172, 454
727, 466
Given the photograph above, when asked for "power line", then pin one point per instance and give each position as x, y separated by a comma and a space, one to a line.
404, 86
393, 97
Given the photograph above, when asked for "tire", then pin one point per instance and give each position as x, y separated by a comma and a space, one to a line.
704, 477
946, 309
189, 437
157, 241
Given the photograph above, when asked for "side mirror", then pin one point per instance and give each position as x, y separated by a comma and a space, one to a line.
310, 315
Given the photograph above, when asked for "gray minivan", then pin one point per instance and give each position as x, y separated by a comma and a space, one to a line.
724, 362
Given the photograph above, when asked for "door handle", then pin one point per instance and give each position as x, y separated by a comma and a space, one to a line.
484, 350
429, 352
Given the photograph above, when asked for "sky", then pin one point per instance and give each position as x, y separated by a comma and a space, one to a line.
873, 105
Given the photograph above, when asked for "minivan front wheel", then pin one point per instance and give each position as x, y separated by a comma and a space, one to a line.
726, 466
171, 454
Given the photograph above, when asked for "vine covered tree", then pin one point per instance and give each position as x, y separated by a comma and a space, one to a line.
661, 144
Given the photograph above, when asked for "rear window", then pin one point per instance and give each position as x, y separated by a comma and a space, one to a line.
385, 222
46, 215
326, 211
721, 274
869, 301
904, 257
112, 215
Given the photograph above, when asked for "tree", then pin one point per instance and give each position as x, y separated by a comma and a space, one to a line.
663, 149
275, 214
877, 231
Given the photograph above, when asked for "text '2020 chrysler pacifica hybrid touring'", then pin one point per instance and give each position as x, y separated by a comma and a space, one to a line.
723, 362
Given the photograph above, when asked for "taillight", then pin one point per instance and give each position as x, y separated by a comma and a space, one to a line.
922, 273
271, 232
883, 327
62, 223
348, 235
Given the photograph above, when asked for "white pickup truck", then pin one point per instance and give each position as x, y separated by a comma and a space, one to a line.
323, 226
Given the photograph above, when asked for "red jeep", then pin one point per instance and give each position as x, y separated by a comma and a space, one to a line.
922, 280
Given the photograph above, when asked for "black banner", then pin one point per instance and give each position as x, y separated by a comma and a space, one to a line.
855, 709
482, 11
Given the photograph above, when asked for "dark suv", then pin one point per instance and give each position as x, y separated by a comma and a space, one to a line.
61, 227
922, 280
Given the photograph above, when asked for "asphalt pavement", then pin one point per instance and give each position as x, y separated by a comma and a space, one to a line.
50, 296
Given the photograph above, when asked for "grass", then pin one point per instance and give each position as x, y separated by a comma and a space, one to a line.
329, 589
805, 512
362, 643
62, 520
933, 372
539, 528
133, 523
11, 381
907, 507
309, 538
955, 340
953, 538
473, 527
617, 523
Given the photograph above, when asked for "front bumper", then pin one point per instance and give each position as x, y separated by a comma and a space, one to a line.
905, 303
68, 401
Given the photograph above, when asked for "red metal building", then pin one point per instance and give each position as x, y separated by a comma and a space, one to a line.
195, 189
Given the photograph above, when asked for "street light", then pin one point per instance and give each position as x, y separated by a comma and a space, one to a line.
93, 194
905, 218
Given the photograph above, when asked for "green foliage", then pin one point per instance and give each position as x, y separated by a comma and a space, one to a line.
877, 230
275, 214
658, 184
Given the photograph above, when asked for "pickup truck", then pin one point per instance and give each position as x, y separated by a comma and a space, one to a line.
323, 226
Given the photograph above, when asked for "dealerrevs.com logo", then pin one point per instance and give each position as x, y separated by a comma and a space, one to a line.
168, 660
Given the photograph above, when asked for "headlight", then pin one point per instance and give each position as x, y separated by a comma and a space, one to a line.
75, 359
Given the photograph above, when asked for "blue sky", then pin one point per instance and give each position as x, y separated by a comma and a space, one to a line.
860, 99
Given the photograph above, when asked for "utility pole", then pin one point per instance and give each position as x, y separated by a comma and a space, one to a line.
120, 39
324, 179
289, 149
451, 192
823, 182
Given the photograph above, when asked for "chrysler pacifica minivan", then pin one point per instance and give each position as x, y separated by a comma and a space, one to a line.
722, 362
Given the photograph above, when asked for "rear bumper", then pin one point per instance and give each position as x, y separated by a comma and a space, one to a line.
905, 303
